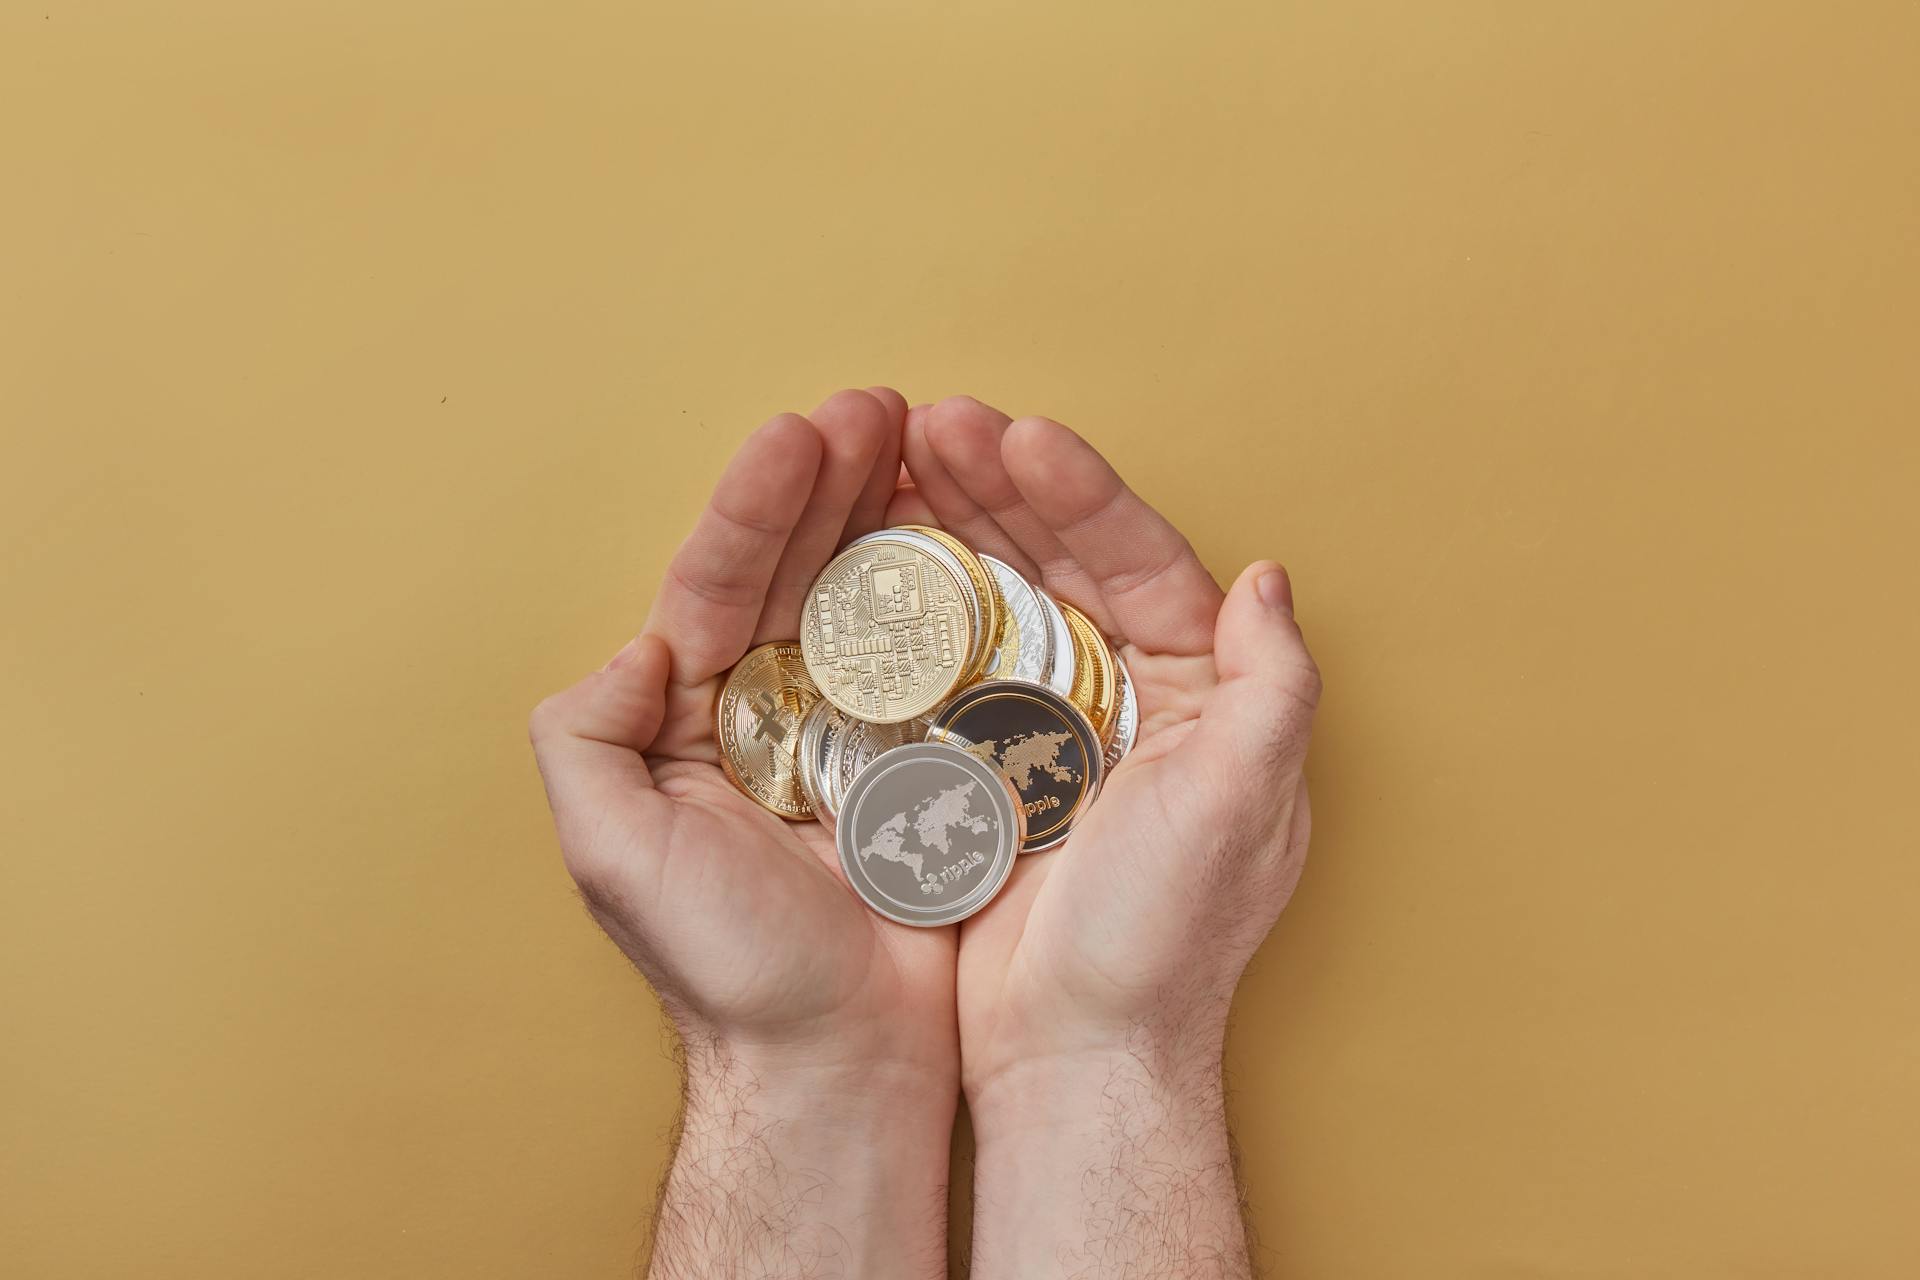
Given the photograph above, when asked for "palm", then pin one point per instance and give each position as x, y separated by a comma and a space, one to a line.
785, 942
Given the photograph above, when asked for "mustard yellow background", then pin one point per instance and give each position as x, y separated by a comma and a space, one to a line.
363, 363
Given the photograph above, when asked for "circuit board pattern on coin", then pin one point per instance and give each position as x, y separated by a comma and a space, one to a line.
887, 631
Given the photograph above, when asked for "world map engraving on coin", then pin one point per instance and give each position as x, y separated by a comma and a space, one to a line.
1025, 754
910, 838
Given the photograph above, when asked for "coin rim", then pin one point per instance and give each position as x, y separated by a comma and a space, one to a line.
1126, 717
1060, 675
1092, 646
831, 746
1091, 748
843, 833
1043, 643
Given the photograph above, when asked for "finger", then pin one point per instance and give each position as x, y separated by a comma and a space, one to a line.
852, 426
1153, 590
966, 438
588, 742
893, 401
716, 585
1261, 712
953, 509
870, 508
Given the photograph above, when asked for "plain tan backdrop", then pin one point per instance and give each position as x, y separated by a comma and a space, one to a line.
363, 363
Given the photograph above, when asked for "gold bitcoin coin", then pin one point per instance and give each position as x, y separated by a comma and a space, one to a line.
887, 634
1094, 689
757, 720
986, 590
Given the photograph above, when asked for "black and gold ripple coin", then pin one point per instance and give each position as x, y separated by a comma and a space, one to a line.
1041, 743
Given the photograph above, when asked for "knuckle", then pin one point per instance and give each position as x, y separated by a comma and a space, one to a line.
543, 724
1307, 683
1144, 574
592, 872
1281, 717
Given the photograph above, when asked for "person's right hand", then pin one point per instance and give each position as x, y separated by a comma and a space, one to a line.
819, 1038
739, 919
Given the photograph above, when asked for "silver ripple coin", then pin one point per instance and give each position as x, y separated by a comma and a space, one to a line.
928, 833
1032, 636
1059, 675
1126, 717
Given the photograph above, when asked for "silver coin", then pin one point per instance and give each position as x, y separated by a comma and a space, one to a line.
1042, 744
1126, 716
928, 834
826, 760
1033, 658
1059, 676
862, 744
806, 755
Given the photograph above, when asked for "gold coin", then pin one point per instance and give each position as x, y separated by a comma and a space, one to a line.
943, 553
887, 634
993, 608
1095, 690
757, 720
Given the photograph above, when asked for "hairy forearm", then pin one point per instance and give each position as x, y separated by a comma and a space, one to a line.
1107, 1166
805, 1172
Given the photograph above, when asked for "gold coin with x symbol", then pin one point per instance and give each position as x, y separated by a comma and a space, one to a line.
757, 720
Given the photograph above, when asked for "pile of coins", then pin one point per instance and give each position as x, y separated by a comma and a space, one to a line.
940, 712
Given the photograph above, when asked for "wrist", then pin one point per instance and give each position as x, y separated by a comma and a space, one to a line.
786, 1155
818, 1094
1042, 1099
1099, 1154
1175, 1057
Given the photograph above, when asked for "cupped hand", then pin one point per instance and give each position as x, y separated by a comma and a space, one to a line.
740, 920
1131, 937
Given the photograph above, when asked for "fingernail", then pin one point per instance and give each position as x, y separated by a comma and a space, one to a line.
623, 657
1274, 589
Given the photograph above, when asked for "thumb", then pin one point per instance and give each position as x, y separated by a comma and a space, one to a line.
588, 739
1262, 709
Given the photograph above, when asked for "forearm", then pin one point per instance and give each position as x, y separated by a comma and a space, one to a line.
1107, 1166
809, 1172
